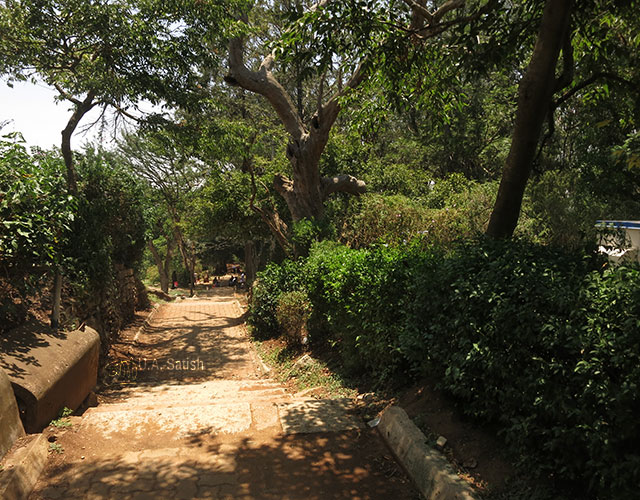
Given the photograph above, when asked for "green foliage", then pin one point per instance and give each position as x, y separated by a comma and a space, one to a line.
389, 219
352, 294
629, 151
444, 189
562, 211
305, 232
109, 227
120, 51
540, 342
44, 229
55, 447
292, 313
265, 293
36, 212
63, 418
463, 209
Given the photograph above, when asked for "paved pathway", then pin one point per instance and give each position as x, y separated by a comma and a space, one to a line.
196, 420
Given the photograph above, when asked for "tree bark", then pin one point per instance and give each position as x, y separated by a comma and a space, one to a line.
81, 109
57, 299
163, 266
534, 97
188, 258
171, 244
250, 261
306, 192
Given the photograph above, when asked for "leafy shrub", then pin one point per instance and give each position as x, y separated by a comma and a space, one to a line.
602, 396
543, 343
355, 295
462, 209
36, 212
265, 293
109, 227
389, 219
292, 314
534, 340
43, 228
442, 190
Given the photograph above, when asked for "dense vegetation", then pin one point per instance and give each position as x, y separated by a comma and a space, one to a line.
541, 342
361, 149
87, 236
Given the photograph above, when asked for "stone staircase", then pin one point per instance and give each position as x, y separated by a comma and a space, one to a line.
220, 431
189, 441
174, 413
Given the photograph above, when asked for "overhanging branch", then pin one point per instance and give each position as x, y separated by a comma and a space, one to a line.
342, 183
264, 83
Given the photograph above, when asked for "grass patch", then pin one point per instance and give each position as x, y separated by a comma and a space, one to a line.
301, 371
55, 447
63, 418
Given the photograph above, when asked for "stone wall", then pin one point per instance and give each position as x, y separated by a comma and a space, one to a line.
10, 424
112, 307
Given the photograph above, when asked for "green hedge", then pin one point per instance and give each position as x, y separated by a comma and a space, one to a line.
542, 343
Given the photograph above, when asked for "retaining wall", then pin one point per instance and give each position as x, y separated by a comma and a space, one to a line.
49, 371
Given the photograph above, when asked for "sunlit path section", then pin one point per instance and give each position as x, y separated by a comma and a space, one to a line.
195, 418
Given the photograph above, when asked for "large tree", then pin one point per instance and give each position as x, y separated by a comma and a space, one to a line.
171, 169
599, 47
342, 44
555, 51
307, 190
110, 54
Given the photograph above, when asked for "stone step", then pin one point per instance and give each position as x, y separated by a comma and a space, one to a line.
168, 425
210, 392
172, 472
301, 467
179, 424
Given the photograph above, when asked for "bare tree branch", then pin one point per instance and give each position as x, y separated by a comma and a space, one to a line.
592, 79
66, 95
331, 109
434, 17
276, 225
263, 82
342, 183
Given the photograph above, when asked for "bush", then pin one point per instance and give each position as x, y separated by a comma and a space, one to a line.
86, 236
452, 211
36, 211
543, 343
265, 293
109, 227
292, 314
384, 218
356, 298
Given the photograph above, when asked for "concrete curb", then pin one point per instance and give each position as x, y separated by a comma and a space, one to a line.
430, 471
22, 469
54, 372
147, 322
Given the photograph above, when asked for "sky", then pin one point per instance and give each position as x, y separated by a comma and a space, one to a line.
34, 113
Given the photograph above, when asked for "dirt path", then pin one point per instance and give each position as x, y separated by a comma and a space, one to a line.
196, 420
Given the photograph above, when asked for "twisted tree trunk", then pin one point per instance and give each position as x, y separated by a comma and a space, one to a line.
307, 190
